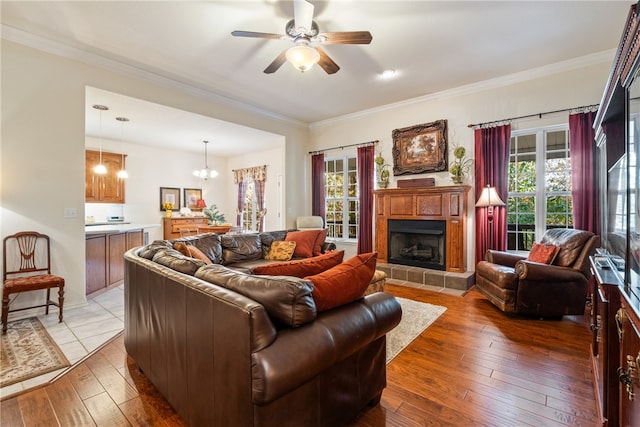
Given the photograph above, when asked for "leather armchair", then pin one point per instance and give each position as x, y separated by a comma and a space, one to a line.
516, 285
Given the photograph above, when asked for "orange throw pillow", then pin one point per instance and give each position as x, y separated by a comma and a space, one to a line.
343, 283
544, 254
317, 246
305, 242
301, 267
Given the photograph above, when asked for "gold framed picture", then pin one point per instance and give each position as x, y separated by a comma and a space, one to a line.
420, 148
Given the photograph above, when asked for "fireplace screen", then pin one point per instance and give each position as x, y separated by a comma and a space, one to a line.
418, 243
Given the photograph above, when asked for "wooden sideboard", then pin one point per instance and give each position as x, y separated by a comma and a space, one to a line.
173, 225
448, 203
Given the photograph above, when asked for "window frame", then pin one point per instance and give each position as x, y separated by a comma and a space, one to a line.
346, 199
540, 194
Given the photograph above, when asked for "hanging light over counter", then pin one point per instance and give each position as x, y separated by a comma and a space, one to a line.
100, 168
122, 173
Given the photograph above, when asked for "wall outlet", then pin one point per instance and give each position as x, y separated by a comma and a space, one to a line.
70, 212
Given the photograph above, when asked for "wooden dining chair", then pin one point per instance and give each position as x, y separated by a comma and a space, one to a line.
26, 261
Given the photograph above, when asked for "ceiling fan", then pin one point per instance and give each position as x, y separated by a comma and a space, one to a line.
304, 33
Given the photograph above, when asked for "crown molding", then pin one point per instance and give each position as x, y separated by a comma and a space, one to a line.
152, 75
510, 79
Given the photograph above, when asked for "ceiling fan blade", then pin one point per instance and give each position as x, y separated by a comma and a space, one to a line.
303, 14
277, 63
346, 37
327, 63
257, 35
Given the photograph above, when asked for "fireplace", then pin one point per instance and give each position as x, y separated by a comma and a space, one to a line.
418, 243
437, 205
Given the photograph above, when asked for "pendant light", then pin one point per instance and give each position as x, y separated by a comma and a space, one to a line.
100, 169
205, 173
122, 173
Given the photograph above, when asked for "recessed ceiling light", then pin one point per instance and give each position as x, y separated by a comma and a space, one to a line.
388, 74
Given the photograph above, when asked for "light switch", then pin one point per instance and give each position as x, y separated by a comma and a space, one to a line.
70, 212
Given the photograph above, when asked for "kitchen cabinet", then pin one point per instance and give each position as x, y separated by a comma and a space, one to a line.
96, 252
172, 226
106, 188
104, 257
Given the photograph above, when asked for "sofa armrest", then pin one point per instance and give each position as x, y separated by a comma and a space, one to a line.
299, 354
534, 271
503, 258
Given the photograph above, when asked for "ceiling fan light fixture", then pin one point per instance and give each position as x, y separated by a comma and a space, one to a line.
302, 56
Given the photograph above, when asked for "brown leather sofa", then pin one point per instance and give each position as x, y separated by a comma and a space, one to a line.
516, 285
223, 358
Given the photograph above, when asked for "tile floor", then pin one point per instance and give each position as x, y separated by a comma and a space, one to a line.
83, 329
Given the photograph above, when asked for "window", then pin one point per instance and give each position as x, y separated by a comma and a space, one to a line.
539, 191
250, 209
341, 197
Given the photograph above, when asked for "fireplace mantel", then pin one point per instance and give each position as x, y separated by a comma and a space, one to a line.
448, 203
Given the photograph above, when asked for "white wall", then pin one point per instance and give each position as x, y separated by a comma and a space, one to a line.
484, 102
43, 144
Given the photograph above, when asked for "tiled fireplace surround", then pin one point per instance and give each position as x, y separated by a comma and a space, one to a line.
448, 203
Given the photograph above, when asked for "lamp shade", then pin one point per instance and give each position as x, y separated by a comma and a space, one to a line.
489, 197
302, 57
200, 204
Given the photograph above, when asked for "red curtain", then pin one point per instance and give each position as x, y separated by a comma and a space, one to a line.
317, 185
491, 168
366, 166
584, 183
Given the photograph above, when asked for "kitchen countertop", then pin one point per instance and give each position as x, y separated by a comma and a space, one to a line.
116, 228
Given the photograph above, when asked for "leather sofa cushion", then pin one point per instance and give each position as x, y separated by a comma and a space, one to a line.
570, 241
268, 237
176, 261
301, 267
240, 247
150, 250
209, 244
288, 300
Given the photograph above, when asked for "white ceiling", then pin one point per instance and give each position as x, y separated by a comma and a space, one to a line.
432, 45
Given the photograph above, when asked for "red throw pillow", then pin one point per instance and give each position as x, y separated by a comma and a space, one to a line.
305, 242
301, 267
343, 283
544, 254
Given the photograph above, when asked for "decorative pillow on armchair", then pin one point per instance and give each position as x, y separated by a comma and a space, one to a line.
343, 283
544, 254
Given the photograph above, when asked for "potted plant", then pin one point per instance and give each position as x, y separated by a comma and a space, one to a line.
214, 216
460, 166
382, 171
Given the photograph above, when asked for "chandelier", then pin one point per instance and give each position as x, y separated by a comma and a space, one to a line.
205, 173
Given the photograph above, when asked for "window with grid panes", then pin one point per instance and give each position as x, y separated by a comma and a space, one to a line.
249, 209
539, 191
341, 197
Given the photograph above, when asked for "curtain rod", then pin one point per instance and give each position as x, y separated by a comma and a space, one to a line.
539, 115
361, 144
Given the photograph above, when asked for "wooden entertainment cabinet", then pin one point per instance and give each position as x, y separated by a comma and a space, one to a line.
615, 319
448, 203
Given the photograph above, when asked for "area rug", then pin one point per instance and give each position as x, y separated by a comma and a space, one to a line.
416, 317
27, 351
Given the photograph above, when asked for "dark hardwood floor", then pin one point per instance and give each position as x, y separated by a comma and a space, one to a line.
474, 366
